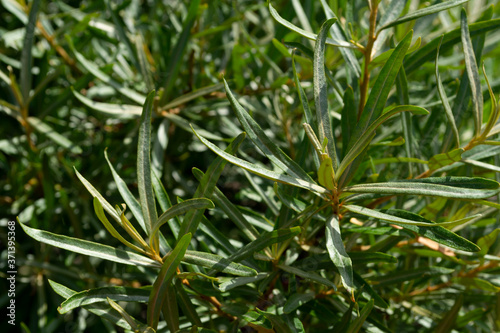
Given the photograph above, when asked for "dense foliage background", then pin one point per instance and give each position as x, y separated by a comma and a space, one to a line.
73, 80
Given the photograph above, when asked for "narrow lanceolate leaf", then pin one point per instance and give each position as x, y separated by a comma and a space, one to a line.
444, 159
231, 210
170, 309
297, 300
262, 141
116, 293
127, 196
308, 275
90, 248
217, 263
487, 241
382, 86
363, 315
348, 120
119, 111
180, 208
444, 100
445, 187
410, 274
266, 239
176, 56
98, 309
164, 278
448, 321
277, 177
436, 233
424, 12
483, 165
102, 217
321, 93
364, 140
385, 217
228, 283
191, 96
53, 135
146, 195
26, 57
337, 252
428, 51
106, 205
304, 33
94, 70
339, 34
391, 13
136, 327
472, 73
207, 185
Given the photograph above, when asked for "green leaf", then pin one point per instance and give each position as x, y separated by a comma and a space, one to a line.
410, 274
445, 187
228, 283
477, 283
127, 196
146, 195
218, 263
428, 51
381, 88
191, 96
207, 185
483, 165
163, 280
364, 140
448, 321
487, 241
472, 73
262, 141
391, 13
297, 300
185, 125
53, 135
102, 217
357, 323
175, 60
231, 210
321, 93
444, 100
26, 56
94, 70
386, 217
89, 248
278, 177
364, 257
99, 309
116, 293
424, 12
338, 255
119, 111
179, 209
348, 120
339, 34
304, 33
436, 233
186, 304
308, 275
170, 310
106, 205
368, 291
444, 159
129, 319
265, 239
